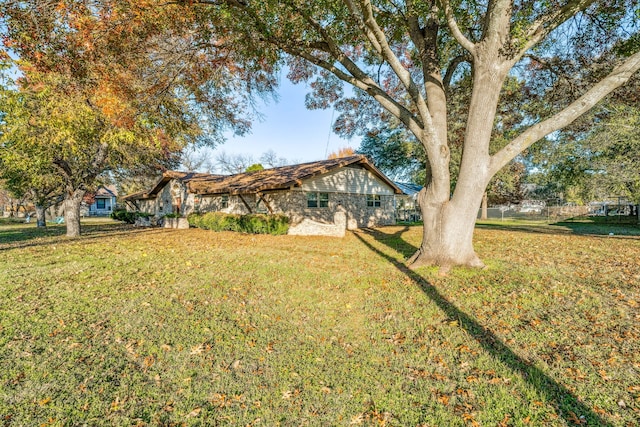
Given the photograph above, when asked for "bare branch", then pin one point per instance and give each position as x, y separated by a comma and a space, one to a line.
362, 81
378, 37
451, 69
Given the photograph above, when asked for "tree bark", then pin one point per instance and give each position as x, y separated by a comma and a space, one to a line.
71, 204
447, 238
40, 216
484, 206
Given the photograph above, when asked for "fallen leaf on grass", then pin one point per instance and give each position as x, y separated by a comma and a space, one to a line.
197, 349
194, 413
357, 420
470, 419
575, 419
505, 421
444, 399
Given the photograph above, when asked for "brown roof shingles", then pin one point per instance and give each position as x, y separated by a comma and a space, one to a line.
278, 178
254, 182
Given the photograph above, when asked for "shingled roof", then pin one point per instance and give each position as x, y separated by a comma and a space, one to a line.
167, 176
280, 178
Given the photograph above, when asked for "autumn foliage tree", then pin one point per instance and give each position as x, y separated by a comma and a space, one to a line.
341, 152
401, 58
114, 85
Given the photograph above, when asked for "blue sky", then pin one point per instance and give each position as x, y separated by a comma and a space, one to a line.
289, 129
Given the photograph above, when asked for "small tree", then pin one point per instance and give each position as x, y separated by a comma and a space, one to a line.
342, 152
254, 167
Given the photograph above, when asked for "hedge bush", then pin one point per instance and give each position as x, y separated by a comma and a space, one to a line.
126, 216
251, 223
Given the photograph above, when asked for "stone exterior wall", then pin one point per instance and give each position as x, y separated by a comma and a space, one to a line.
147, 206
308, 227
235, 205
293, 203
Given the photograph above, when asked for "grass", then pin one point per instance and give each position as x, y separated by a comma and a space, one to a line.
596, 226
187, 327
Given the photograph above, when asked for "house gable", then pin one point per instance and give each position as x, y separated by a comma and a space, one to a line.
354, 180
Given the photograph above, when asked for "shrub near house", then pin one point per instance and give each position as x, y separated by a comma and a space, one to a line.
252, 223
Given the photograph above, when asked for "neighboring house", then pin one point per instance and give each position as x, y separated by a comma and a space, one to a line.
104, 201
407, 207
313, 191
409, 200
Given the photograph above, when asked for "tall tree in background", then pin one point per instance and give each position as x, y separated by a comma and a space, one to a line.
615, 148
595, 158
54, 139
401, 58
341, 152
30, 178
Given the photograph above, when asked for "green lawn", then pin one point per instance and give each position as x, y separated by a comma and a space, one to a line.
187, 327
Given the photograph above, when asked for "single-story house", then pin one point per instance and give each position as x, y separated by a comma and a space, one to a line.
407, 207
103, 201
313, 191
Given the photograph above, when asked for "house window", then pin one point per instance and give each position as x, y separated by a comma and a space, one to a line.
100, 203
261, 206
224, 202
317, 200
373, 200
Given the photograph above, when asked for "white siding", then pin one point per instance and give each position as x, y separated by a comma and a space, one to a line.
348, 180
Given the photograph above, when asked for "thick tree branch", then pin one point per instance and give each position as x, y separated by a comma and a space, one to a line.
378, 38
620, 75
455, 30
497, 21
451, 69
362, 81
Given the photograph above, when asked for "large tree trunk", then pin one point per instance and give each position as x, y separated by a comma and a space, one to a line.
71, 204
40, 216
447, 238
449, 221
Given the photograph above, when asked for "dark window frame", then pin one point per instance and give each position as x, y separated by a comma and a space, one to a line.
374, 201
316, 199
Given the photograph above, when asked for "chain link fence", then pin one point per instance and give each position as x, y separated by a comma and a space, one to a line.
535, 213
540, 212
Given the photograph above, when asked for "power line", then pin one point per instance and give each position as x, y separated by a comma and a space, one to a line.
326, 151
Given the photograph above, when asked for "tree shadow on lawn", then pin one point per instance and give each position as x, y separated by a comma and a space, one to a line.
567, 404
24, 237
